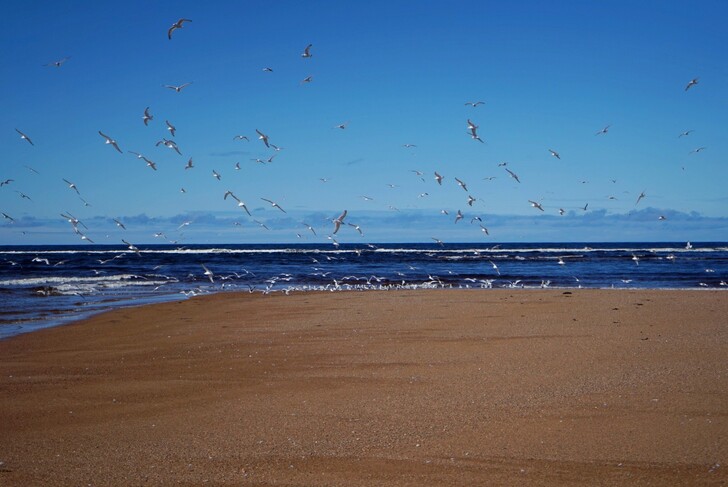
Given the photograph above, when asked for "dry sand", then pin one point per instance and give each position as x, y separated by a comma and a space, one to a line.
496, 387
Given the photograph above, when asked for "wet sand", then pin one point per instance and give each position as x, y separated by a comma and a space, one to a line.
496, 387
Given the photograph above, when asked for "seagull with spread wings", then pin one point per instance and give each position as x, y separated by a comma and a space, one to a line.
24, 137
177, 25
339, 221
147, 116
178, 88
110, 141
274, 204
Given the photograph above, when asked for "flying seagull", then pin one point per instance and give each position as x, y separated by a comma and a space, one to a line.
72, 186
512, 174
170, 144
274, 204
438, 178
536, 205
147, 116
208, 273
172, 129
555, 154
691, 83
178, 88
687, 132
176, 25
263, 137
474, 103
603, 131
241, 204
110, 141
58, 63
241, 137
23, 136
307, 52
338, 221
461, 184
642, 195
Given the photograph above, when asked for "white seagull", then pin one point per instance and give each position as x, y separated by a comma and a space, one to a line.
110, 141
263, 137
536, 205
147, 116
58, 63
72, 186
170, 144
208, 273
178, 88
307, 52
438, 178
177, 25
172, 129
25, 137
338, 221
274, 204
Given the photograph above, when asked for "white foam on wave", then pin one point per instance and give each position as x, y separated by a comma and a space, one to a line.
118, 280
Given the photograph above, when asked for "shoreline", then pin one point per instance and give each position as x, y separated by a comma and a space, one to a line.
445, 387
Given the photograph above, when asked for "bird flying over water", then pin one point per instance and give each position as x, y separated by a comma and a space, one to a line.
178, 88
170, 144
177, 25
25, 137
642, 195
72, 186
263, 137
110, 141
58, 63
147, 116
536, 205
274, 204
512, 174
172, 129
339, 221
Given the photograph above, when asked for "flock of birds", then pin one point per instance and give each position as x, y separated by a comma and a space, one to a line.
336, 223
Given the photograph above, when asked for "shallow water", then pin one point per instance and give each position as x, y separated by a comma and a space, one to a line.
44, 286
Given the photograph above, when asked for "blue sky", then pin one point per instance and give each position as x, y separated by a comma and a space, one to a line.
551, 74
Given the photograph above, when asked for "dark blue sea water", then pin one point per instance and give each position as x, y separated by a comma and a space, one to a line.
44, 286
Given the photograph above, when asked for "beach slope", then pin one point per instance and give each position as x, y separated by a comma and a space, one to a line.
406, 388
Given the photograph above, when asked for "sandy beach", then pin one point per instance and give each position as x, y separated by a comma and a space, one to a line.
406, 388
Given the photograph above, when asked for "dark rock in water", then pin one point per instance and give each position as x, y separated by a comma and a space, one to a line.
47, 291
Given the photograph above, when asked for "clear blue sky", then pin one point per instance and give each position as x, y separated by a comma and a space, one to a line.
551, 74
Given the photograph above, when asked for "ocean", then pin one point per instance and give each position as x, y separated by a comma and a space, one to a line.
42, 286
